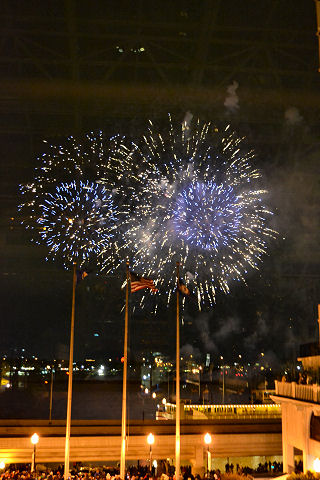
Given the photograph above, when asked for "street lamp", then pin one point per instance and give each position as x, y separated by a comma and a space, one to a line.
2, 465
207, 441
200, 368
221, 358
150, 440
34, 440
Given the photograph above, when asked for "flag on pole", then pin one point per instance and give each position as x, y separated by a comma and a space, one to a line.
183, 289
138, 282
81, 275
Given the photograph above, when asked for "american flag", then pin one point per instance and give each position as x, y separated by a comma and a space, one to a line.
81, 275
138, 282
183, 288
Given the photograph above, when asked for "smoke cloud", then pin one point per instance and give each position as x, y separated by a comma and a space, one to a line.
261, 330
202, 324
186, 124
229, 326
190, 276
232, 100
188, 349
292, 116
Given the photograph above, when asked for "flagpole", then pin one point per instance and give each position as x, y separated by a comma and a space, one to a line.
68, 422
178, 382
124, 387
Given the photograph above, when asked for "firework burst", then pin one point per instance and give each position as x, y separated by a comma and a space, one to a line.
77, 220
194, 197
64, 205
74, 158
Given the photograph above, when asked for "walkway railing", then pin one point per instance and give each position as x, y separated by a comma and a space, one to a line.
308, 393
213, 412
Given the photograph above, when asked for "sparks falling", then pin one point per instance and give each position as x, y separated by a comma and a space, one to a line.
193, 197
72, 159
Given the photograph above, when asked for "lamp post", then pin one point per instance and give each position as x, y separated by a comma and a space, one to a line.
207, 441
34, 440
51, 395
221, 358
200, 368
69, 396
150, 440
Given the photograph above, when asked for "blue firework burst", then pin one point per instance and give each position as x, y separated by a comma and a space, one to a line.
76, 221
194, 196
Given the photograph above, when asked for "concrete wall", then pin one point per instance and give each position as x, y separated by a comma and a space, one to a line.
227, 440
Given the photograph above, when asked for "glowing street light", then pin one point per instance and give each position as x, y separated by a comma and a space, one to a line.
316, 465
150, 440
34, 440
2, 465
207, 441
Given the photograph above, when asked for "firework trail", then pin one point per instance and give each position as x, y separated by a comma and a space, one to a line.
193, 196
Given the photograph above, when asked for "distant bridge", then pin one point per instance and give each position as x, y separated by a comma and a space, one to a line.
99, 440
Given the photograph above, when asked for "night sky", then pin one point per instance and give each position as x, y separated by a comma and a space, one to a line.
69, 67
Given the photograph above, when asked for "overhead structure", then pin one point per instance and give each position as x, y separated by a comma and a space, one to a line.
77, 66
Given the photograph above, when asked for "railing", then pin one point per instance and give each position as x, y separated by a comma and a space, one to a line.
308, 393
212, 412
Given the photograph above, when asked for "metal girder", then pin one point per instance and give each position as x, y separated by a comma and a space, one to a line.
73, 56
129, 61
210, 11
178, 51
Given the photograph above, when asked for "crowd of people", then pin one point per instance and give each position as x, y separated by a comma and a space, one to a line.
22, 472
267, 467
